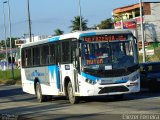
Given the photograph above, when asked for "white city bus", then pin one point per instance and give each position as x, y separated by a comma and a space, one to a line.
84, 63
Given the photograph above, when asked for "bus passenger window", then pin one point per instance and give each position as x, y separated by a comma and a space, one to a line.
26, 60
44, 54
23, 58
52, 54
36, 56
66, 55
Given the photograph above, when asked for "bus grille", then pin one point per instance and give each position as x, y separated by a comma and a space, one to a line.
113, 89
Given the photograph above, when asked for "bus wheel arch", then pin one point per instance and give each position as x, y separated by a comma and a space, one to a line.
69, 91
38, 91
35, 82
66, 81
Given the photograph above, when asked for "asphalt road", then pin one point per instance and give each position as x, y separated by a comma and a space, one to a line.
14, 104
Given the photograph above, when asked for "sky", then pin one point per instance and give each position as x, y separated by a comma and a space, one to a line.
48, 15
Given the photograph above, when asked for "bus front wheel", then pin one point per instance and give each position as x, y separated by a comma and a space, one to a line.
40, 97
72, 98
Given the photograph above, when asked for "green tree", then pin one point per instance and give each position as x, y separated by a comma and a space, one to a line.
2, 56
106, 24
2, 47
2, 43
76, 23
58, 32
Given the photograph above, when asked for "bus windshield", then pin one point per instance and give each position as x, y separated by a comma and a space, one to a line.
111, 54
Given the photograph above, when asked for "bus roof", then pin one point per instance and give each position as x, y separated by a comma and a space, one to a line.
78, 34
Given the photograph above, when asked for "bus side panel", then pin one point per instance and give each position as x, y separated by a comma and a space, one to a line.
47, 76
41, 74
27, 82
67, 70
52, 76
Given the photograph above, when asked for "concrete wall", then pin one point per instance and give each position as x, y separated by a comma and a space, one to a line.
152, 24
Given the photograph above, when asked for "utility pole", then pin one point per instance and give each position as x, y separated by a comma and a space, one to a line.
142, 32
29, 22
81, 29
5, 33
9, 16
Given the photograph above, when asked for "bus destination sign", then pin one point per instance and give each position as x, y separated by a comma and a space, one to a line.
102, 38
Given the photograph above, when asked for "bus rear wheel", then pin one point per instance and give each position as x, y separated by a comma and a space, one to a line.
72, 98
40, 97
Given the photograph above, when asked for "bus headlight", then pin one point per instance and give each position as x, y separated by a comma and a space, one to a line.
90, 81
135, 77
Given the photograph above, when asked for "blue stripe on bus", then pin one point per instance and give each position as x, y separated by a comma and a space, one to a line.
87, 34
121, 81
54, 70
54, 39
87, 76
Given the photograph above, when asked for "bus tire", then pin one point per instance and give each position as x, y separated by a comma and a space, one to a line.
72, 99
48, 98
40, 97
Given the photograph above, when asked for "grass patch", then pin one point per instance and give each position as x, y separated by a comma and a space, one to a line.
6, 77
151, 58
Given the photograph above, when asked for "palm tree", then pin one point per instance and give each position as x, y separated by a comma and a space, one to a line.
76, 23
58, 32
106, 24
